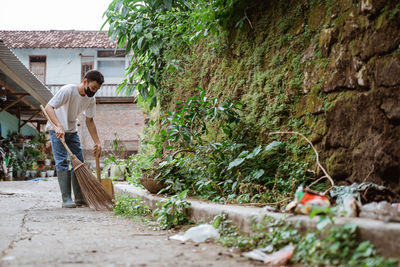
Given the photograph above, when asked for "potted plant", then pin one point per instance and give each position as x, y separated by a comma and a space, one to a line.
19, 171
42, 170
10, 173
43, 174
34, 169
50, 173
117, 168
117, 164
24, 166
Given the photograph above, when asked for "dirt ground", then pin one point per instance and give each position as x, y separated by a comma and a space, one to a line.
36, 231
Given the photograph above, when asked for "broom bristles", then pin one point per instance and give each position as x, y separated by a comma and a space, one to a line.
94, 192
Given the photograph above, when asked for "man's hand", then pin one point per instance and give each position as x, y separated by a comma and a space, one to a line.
58, 128
60, 133
93, 133
97, 150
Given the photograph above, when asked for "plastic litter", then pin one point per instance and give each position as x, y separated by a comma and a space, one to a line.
267, 249
358, 191
280, 257
350, 207
198, 234
255, 254
305, 202
383, 211
37, 179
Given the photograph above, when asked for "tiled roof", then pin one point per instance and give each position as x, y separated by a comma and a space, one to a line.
56, 39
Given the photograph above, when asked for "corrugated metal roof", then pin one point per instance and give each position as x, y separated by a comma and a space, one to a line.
57, 39
14, 73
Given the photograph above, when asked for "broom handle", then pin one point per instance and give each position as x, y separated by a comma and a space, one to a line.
52, 124
98, 168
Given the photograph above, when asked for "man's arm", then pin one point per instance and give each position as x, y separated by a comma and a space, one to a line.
93, 133
60, 132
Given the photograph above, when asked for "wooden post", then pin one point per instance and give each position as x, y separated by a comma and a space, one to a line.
19, 119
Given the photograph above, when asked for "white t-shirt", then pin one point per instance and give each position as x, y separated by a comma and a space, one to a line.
69, 104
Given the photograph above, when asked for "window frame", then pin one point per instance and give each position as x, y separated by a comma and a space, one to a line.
45, 66
86, 63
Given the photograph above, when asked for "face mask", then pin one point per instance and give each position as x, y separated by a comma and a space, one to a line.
89, 93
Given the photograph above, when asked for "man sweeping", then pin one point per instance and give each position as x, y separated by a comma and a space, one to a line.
63, 109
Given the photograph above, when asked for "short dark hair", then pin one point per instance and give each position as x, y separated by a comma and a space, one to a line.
94, 75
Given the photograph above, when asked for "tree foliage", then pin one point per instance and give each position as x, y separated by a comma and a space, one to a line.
152, 30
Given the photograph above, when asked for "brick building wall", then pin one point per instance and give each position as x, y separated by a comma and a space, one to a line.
122, 120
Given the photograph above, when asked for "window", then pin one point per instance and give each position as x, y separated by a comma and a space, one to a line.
111, 63
111, 68
37, 64
87, 64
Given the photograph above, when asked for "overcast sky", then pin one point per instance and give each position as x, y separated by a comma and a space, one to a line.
52, 14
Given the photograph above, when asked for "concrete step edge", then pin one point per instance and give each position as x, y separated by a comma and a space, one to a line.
384, 236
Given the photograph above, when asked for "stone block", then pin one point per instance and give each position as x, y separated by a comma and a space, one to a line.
327, 39
387, 71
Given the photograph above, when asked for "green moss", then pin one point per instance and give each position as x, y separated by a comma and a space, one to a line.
316, 16
285, 24
314, 104
355, 47
341, 19
345, 98
315, 124
263, 68
316, 90
393, 13
339, 164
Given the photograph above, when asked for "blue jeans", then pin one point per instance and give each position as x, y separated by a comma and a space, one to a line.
60, 153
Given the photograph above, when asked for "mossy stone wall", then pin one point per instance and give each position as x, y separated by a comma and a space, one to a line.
328, 69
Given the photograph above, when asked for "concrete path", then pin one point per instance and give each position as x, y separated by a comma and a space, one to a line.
36, 231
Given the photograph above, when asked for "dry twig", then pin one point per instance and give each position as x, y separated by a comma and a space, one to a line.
373, 168
245, 14
265, 204
317, 159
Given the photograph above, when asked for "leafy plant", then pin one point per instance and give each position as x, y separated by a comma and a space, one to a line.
187, 126
24, 153
171, 212
338, 245
229, 233
137, 165
117, 150
222, 171
131, 206
335, 246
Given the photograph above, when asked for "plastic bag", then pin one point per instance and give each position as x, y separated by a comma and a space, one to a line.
280, 257
376, 193
383, 211
198, 234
